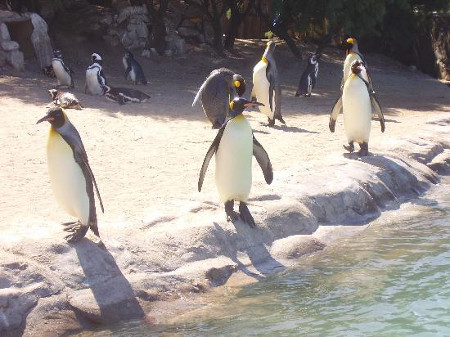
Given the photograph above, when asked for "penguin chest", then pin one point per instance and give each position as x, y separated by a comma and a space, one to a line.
93, 85
234, 161
67, 178
357, 110
62, 75
261, 86
348, 63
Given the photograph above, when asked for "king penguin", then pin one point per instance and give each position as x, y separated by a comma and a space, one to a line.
266, 86
71, 177
358, 102
63, 73
219, 88
233, 147
309, 76
352, 54
133, 69
95, 79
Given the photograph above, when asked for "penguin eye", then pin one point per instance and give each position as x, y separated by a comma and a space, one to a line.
237, 84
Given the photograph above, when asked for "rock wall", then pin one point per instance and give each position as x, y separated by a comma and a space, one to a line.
10, 52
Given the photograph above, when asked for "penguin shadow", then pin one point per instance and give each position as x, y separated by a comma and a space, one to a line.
112, 291
258, 254
292, 129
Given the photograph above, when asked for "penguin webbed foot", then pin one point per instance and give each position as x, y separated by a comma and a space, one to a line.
77, 229
245, 215
232, 215
270, 122
350, 147
364, 149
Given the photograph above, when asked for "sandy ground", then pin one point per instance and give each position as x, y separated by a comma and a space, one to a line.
158, 229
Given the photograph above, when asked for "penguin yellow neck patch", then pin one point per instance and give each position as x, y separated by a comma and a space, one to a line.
266, 61
239, 117
237, 84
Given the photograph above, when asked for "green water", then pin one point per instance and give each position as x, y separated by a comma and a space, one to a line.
392, 279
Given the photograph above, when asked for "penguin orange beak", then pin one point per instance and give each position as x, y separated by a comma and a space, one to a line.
45, 119
252, 104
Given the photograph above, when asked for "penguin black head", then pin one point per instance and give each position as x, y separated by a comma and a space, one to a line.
55, 116
53, 93
96, 58
349, 44
313, 58
57, 53
239, 84
238, 105
357, 67
129, 55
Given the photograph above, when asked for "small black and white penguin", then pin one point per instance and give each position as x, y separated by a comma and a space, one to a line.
234, 146
358, 103
266, 86
71, 176
65, 100
95, 79
125, 95
63, 73
216, 92
309, 76
133, 69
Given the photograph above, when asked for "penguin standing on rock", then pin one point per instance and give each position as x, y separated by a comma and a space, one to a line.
309, 76
95, 79
234, 146
266, 86
63, 73
65, 100
133, 69
219, 88
71, 176
358, 102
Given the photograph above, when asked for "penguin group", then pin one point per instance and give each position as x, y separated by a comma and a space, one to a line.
223, 102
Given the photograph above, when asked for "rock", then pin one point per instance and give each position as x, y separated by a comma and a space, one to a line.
16, 60
41, 41
4, 33
9, 45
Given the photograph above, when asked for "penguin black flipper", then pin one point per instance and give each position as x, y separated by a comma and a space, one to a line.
211, 151
376, 109
335, 111
271, 85
263, 160
127, 71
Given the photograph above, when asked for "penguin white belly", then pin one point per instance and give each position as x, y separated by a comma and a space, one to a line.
132, 74
357, 110
234, 161
62, 75
348, 63
93, 87
261, 87
67, 179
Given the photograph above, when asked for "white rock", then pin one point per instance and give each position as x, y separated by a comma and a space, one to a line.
9, 45
4, 32
15, 59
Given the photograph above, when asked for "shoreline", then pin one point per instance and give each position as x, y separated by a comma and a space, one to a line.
164, 241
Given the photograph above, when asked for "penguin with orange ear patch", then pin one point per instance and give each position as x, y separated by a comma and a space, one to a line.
219, 88
71, 176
